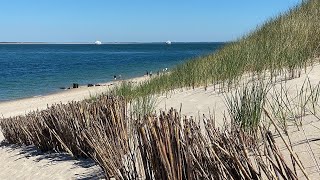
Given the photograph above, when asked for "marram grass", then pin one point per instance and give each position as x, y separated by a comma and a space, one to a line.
285, 44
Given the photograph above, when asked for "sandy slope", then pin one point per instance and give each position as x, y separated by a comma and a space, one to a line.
195, 102
305, 139
200, 101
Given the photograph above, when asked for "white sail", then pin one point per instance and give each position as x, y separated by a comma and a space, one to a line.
98, 42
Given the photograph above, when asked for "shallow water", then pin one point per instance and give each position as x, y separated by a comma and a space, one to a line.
30, 70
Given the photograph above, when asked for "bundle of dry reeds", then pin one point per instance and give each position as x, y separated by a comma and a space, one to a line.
175, 149
61, 126
152, 147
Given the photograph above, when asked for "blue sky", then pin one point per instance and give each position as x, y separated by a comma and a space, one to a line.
133, 20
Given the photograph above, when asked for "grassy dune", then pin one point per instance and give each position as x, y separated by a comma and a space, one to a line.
161, 146
285, 44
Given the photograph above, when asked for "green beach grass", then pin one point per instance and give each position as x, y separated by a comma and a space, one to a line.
283, 45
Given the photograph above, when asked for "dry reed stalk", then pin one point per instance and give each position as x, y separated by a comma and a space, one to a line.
288, 147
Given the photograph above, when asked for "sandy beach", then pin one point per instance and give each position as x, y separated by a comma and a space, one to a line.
23, 106
194, 102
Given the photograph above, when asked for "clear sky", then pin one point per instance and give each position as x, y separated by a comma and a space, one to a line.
133, 20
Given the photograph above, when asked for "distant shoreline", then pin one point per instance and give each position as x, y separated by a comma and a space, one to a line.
22, 106
107, 84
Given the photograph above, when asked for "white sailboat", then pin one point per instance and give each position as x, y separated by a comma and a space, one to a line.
168, 42
98, 42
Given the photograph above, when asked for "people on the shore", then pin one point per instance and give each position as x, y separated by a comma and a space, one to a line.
164, 70
75, 85
148, 73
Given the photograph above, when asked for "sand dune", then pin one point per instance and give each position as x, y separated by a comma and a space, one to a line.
305, 139
200, 101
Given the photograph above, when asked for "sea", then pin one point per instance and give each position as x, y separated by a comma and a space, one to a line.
28, 70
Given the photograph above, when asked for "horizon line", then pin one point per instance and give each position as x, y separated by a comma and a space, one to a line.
137, 42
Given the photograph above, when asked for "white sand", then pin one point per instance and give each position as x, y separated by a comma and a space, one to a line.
28, 163
195, 102
200, 101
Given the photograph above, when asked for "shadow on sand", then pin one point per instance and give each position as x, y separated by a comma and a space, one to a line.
94, 171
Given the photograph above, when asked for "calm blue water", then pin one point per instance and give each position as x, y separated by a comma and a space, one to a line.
30, 70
